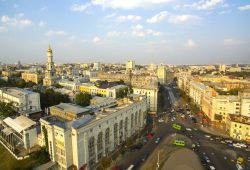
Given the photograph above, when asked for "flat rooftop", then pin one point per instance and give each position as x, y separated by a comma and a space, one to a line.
17, 92
68, 107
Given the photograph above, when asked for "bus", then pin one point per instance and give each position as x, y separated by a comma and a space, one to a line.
179, 142
176, 126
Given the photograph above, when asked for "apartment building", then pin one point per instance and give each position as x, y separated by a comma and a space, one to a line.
33, 77
83, 142
23, 100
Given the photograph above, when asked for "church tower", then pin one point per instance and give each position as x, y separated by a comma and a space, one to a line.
50, 69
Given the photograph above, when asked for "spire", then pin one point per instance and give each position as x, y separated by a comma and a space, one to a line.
49, 49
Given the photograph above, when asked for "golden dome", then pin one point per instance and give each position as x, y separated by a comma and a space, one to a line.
49, 49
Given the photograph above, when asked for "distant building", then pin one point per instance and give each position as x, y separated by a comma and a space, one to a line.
234, 69
23, 100
83, 142
70, 85
162, 74
222, 68
97, 66
33, 77
50, 75
130, 65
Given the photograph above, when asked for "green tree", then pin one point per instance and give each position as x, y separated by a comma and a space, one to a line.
45, 134
51, 98
6, 109
105, 162
82, 99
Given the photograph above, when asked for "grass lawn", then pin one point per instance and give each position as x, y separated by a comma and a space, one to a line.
8, 162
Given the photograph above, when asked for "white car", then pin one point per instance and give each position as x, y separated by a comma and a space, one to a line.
207, 136
243, 145
188, 129
212, 167
160, 120
237, 145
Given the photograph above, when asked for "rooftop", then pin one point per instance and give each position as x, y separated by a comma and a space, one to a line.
19, 123
68, 107
17, 92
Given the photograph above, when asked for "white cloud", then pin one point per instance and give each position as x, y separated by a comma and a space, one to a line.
3, 29
230, 41
175, 19
110, 16
129, 4
244, 8
96, 40
80, 7
42, 23
190, 43
138, 31
206, 4
183, 18
55, 33
15, 22
123, 18
5, 18
158, 17
116, 34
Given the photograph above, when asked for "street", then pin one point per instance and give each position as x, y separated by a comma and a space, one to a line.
211, 150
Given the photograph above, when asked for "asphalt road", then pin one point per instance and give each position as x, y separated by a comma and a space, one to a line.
220, 155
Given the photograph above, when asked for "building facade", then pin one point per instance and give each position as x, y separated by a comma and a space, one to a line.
83, 142
23, 100
50, 75
130, 65
33, 77
162, 74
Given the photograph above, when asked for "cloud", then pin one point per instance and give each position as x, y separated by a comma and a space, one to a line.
244, 8
80, 7
171, 18
230, 41
206, 4
129, 4
158, 17
110, 16
15, 22
190, 43
183, 18
116, 34
72, 37
123, 18
42, 23
3, 29
55, 33
96, 40
44, 8
138, 31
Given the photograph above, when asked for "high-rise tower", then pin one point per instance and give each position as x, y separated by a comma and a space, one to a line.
50, 69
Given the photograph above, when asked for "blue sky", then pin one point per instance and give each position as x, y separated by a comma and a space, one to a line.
147, 31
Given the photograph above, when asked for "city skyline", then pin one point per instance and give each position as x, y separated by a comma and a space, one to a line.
159, 31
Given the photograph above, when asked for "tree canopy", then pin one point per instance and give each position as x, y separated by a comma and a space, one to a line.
82, 99
6, 109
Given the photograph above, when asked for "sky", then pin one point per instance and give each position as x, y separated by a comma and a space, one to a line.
112, 31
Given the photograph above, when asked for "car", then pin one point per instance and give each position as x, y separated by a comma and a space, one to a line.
207, 159
228, 141
230, 145
248, 159
160, 120
207, 136
212, 167
211, 139
195, 129
223, 142
188, 129
237, 145
243, 145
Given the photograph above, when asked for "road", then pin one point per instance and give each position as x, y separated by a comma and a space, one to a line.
220, 155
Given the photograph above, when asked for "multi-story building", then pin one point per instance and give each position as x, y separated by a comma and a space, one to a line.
70, 85
50, 75
33, 77
222, 68
107, 91
130, 65
81, 143
97, 66
162, 74
23, 100
238, 127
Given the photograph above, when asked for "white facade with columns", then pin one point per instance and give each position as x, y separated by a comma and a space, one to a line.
85, 141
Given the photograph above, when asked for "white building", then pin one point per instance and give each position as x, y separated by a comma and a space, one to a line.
162, 74
152, 96
23, 100
70, 85
97, 66
130, 65
83, 142
18, 132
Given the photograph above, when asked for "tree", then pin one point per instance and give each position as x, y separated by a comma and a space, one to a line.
6, 109
51, 98
45, 134
83, 99
105, 162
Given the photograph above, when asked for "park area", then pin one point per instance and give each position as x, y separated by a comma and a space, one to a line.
8, 162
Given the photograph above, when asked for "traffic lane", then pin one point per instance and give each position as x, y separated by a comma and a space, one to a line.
135, 158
